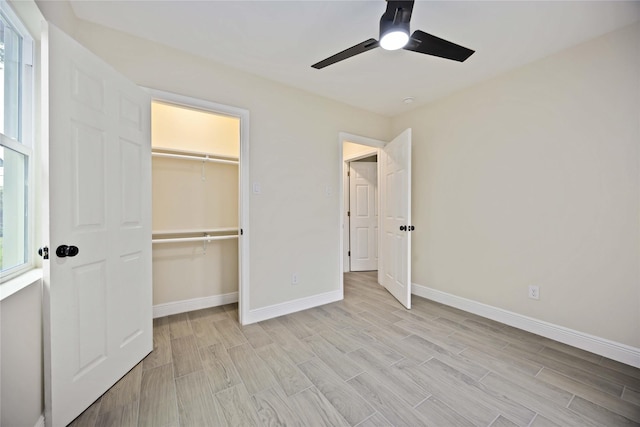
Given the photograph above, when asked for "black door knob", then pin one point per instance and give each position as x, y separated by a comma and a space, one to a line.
44, 252
64, 251
403, 228
73, 251
61, 251
411, 228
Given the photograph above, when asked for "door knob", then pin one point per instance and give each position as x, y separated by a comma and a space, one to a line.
403, 228
411, 228
44, 252
64, 251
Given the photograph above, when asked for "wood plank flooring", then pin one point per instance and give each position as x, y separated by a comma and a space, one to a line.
364, 361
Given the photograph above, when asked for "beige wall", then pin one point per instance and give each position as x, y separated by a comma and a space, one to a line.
21, 364
178, 128
533, 179
293, 224
184, 271
182, 200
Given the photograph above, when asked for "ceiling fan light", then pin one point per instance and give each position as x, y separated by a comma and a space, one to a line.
394, 39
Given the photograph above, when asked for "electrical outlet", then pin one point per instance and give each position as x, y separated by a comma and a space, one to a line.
294, 279
534, 292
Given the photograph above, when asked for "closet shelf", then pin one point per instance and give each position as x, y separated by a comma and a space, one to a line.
191, 152
192, 155
195, 230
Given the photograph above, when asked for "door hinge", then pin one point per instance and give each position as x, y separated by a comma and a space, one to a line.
348, 173
348, 213
241, 232
349, 253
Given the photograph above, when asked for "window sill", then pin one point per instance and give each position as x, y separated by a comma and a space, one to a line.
16, 284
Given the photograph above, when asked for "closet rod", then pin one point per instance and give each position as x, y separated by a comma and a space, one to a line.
193, 239
203, 231
200, 158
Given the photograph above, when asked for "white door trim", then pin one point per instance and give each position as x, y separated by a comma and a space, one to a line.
358, 139
243, 190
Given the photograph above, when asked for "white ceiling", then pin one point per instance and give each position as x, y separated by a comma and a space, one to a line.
280, 40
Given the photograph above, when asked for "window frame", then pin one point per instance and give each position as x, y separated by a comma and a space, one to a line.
25, 145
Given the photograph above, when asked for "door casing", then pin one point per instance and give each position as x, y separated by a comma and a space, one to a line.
243, 183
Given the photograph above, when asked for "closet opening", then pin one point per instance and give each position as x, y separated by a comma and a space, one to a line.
198, 215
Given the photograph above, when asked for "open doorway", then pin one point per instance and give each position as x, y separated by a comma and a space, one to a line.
200, 204
355, 149
394, 207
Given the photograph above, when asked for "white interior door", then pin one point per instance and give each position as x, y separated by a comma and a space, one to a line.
394, 272
363, 218
98, 321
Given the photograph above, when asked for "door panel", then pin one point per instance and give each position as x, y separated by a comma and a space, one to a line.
128, 324
131, 208
89, 286
395, 199
97, 304
363, 224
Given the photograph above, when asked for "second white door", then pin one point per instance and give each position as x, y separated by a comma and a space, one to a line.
363, 228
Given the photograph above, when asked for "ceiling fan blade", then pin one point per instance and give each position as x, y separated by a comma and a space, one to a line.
398, 11
347, 53
422, 42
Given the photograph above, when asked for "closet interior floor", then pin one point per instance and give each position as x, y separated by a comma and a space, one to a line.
364, 361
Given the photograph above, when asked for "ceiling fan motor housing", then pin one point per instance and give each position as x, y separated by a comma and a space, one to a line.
388, 25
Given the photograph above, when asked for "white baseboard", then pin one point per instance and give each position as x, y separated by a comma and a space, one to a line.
183, 306
40, 422
602, 346
276, 310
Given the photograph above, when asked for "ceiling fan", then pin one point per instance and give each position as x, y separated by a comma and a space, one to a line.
394, 34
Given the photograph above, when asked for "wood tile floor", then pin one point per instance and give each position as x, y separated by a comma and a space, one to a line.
364, 361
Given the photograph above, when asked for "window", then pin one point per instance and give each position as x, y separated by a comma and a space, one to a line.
16, 145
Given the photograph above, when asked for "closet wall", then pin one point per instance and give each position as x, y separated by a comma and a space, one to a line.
194, 199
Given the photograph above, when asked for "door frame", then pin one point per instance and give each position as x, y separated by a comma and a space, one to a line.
342, 215
243, 182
